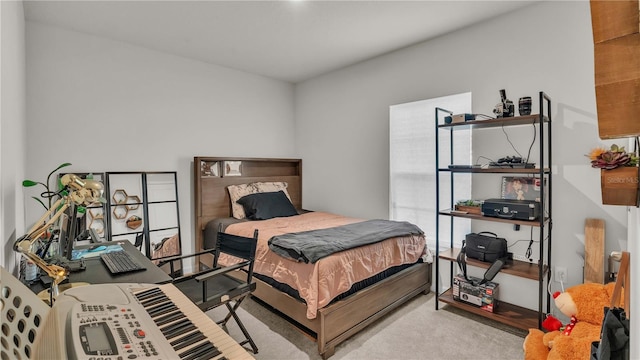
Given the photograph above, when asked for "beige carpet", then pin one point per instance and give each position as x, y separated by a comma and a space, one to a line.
413, 331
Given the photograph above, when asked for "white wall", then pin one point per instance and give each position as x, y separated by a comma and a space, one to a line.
104, 105
342, 117
12, 127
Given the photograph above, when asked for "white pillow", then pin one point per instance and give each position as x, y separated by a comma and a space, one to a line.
238, 191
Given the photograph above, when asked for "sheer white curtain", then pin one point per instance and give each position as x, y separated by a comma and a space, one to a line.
412, 167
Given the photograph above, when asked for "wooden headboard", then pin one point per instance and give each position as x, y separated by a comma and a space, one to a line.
212, 175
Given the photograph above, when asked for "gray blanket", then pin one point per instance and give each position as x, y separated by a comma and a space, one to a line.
313, 245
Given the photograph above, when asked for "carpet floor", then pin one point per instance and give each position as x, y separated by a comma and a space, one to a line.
413, 331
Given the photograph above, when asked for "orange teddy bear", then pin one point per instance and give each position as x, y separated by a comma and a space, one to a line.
584, 304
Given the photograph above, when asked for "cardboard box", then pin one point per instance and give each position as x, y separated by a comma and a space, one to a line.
613, 19
617, 80
484, 296
616, 39
617, 60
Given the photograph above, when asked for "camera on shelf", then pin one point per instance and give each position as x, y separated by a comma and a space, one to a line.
505, 107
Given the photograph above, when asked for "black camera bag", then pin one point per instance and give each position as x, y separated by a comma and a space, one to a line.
485, 248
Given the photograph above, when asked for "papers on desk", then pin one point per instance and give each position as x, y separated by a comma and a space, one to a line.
97, 250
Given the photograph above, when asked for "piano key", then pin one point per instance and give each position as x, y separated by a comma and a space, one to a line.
187, 340
158, 309
210, 354
173, 330
194, 351
147, 293
204, 340
154, 300
167, 318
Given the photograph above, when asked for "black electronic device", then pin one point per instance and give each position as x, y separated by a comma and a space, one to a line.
63, 236
513, 165
524, 106
96, 338
510, 159
494, 269
511, 209
459, 118
45, 280
513, 162
76, 265
119, 262
505, 108
462, 167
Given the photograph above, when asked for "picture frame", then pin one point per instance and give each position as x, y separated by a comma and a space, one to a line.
232, 168
521, 188
210, 168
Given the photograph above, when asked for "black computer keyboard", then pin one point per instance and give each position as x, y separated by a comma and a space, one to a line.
120, 262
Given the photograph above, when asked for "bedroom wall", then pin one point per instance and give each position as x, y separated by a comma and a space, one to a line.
104, 105
12, 127
342, 117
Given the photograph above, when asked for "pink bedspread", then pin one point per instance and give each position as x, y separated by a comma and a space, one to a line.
320, 282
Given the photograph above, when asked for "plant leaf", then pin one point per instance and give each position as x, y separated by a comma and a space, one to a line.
29, 183
60, 167
56, 169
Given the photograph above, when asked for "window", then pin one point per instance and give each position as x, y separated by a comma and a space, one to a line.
412, 163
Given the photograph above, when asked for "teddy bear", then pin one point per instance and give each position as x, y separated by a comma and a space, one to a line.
584, 304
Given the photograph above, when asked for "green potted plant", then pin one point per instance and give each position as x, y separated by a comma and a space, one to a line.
47, 194
469, 206
39, 248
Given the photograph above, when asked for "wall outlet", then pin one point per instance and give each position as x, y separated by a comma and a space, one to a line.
560, 274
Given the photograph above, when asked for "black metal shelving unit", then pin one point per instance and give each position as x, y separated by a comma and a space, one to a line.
507, 313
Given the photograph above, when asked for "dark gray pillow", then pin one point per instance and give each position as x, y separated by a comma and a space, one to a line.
267, 205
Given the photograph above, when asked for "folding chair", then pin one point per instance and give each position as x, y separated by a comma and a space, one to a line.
214, 287
139, 239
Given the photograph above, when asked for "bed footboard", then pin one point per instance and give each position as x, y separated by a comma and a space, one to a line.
340, 320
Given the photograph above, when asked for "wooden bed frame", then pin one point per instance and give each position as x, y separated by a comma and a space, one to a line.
333, 323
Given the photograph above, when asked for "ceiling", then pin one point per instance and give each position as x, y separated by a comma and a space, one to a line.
286, 40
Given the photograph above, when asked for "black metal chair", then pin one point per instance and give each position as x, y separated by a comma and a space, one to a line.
214, 287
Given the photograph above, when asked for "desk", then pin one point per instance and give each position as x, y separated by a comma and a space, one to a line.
97, 273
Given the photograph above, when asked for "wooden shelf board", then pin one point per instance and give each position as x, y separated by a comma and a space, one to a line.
497, 170
506, 313
515, 120
449, 212
516, 268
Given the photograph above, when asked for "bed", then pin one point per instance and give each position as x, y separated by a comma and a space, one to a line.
332, 313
